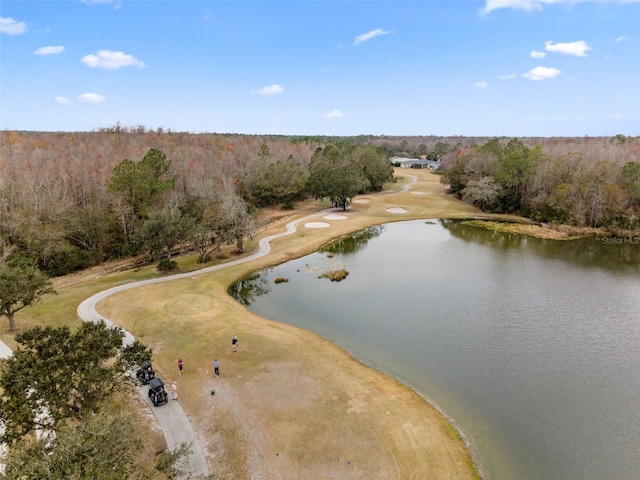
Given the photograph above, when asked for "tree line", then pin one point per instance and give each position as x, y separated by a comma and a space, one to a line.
70, 200
513, 177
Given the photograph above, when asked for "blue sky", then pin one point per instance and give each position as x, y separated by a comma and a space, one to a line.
472, 68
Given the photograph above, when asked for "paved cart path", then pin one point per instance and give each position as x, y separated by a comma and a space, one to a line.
174, 422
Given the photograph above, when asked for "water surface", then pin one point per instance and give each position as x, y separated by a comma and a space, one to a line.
531, 347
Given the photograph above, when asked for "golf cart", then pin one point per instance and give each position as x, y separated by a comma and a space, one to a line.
157, 393
145, 373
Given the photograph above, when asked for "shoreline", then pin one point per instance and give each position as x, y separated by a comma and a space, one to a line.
473, 451
436, 451
205, 306
253, 410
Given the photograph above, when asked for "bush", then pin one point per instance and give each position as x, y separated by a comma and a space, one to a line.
335, 275
67, 259
165, 265
205, 259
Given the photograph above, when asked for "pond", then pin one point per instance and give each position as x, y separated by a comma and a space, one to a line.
530, 347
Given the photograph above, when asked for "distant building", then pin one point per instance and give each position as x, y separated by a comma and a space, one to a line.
416, 163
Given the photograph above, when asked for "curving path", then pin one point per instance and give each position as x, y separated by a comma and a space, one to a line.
5, 351
174, 422
412, 179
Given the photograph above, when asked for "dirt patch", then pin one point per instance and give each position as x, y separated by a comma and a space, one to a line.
553, 232
317, 225
99, 272
334, 216
396, 210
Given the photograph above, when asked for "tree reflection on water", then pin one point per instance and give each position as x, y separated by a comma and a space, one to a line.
353, 242
619, 255
247, 289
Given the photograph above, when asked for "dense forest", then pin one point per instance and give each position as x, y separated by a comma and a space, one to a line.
597, 188
69, 200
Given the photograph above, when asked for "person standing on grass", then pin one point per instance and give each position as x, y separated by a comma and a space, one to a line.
180, 365
234, 343
216, 367
174, 389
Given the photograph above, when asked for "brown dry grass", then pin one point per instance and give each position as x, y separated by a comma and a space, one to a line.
549, 232
288, 404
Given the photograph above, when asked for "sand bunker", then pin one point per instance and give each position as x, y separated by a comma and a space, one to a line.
317, 225
334, 216
360, 200
418, 193
396, 210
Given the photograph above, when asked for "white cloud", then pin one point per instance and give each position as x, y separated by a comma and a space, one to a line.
579, 48
11, 27
334, 114
536, 54
621, 38
109, 60
369, 35
510, 76
530, 5
274, 89
526, 5
481, 84
50, 50
541, 73
91, 98
61, 100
